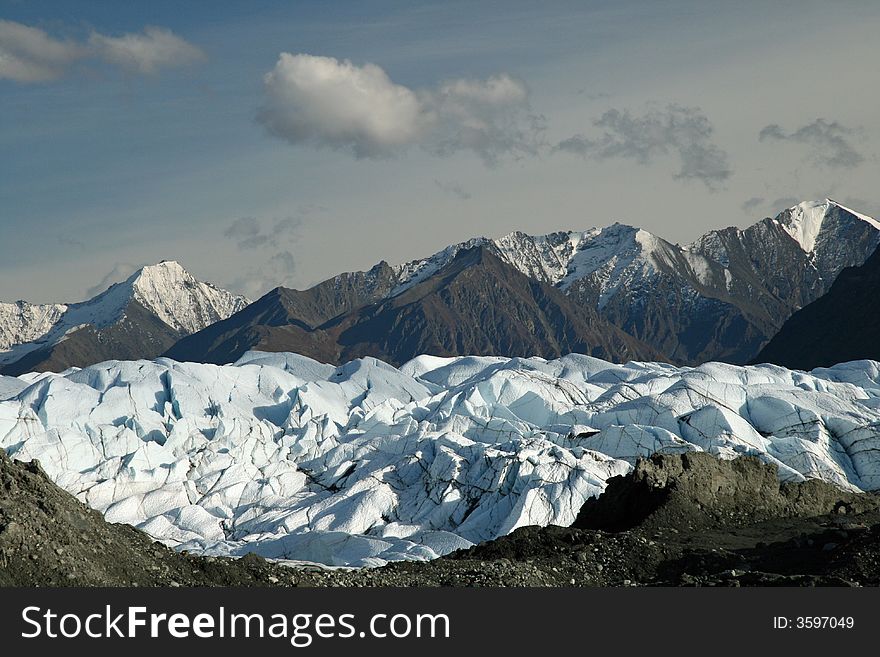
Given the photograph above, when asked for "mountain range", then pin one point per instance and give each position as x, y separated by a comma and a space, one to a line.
719, 298
619, 293
476, 303
140, 317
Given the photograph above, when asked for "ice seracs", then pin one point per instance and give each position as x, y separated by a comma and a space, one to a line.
366, 463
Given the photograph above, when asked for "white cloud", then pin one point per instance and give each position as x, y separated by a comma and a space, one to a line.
750, 205
148, 52
336, 104
323, 101
29, 54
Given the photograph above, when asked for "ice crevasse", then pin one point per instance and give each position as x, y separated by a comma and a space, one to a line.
366, 463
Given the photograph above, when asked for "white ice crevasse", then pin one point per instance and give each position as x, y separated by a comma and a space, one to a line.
364, 463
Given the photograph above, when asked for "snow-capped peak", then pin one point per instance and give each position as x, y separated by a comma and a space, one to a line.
166, 289
22, 321
614, 248
180, 300
561, 258
804, 221
414, 272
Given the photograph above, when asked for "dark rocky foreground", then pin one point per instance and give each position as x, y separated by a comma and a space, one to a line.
676, 520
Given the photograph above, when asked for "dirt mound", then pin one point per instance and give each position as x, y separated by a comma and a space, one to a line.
697, 490
697, 521
48, 538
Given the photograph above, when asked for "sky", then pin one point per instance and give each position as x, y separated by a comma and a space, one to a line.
279, 143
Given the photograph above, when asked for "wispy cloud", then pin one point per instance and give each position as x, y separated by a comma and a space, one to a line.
328, 103
272, 239
750, 205
120, 272
29, 54
674, 130
591, 94
249, 233
145, 52
276, 270
784, 203
246, 232
67, 240
829, 142
453, 189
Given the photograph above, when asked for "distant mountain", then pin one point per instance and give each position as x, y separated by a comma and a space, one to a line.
22, 322
474, 303
138, 318
779, 265
842, 325
719, 298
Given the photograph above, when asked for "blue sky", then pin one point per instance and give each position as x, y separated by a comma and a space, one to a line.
449, 120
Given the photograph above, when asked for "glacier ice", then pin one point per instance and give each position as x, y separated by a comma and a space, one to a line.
366, 463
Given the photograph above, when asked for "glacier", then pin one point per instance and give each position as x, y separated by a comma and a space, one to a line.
365, 463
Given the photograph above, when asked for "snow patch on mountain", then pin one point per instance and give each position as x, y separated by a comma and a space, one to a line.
366, 463
180, 300
804, 221
616, 255
23, 322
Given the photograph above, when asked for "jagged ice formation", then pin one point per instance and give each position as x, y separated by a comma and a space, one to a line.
365, 463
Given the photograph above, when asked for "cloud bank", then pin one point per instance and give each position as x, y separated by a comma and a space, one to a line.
327, 103
828, 142
681, 131
29, 54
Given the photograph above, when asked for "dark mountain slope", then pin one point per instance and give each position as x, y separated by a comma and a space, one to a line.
480, 305
340, 295
475, 305
139, 334
840, 326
